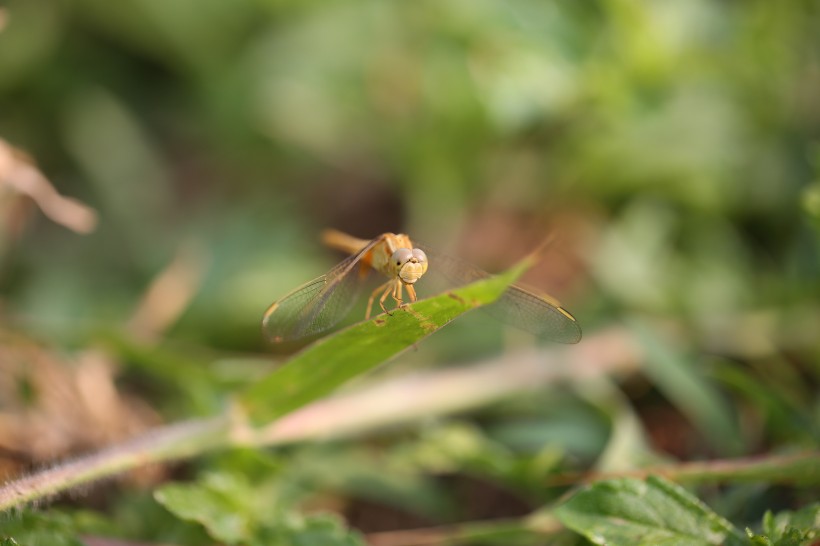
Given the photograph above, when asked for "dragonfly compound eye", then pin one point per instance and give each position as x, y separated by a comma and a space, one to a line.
401, 256
419, 255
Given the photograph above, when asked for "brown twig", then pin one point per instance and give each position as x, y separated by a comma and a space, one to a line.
18, 172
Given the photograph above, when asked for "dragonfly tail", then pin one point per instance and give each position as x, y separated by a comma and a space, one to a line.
342, 241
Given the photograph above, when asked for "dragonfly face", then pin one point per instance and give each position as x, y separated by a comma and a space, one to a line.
409, 264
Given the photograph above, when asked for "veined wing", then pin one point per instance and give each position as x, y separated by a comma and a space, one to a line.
540, 315
318, 305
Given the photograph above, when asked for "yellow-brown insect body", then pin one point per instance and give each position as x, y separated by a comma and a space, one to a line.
393, 255
318, 305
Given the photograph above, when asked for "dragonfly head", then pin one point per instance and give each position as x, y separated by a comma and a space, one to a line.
410, 264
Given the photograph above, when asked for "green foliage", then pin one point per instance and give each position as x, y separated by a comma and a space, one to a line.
789, 528
235, 512
39, 529
672, 146
651, 512
656, 511
220, 503
693, 394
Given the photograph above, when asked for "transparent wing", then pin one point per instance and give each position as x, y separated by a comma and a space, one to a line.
540, 315
318, 305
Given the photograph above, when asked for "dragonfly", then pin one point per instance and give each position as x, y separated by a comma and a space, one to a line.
319, 305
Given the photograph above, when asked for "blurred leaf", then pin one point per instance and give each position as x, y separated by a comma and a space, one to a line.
108, 140
186, 377
576, 430
359, 473
30, 32
454, 446
811, 202
30, 528
628, 446
237, 512
676, 377
792, 528
652, 513
779, 405
501, 532
223, 503
353, 351
315, 530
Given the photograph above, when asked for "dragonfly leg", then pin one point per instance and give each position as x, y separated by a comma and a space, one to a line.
373, 297
411, 293
391, 289
398, 297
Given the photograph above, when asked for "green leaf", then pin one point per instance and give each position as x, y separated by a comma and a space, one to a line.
33, 528
792, 528
316, 530
332, 361
358, 473
222, 503
235, 511
696, 397
654, 512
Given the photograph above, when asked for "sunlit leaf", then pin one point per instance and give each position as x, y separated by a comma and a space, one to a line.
654, 512
234, 511
221, 503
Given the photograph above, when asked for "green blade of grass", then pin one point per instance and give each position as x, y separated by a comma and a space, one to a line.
678, 377
332, 361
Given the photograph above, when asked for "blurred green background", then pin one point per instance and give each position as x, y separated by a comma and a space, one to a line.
678, 138
671, 146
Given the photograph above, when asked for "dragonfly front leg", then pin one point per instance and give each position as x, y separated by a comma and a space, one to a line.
397, 294
411, 293
378, 289
392, 287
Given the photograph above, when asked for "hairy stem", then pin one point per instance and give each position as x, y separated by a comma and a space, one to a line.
173, 442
